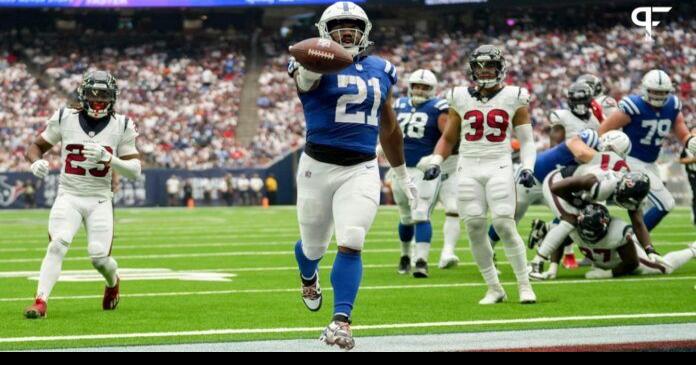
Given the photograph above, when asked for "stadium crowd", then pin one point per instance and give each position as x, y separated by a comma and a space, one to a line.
185, 96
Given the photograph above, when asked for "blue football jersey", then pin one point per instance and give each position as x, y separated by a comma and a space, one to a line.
649, 126
344, 111
561, 156
419, 126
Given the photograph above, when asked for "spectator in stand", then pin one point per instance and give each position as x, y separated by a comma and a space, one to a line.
173, 190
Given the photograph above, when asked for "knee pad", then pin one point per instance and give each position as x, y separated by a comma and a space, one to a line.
61, 238
476, 226
470, 202
353, 238
421, 213
98, 250
313, 252
503, 204
57, 248
505, 227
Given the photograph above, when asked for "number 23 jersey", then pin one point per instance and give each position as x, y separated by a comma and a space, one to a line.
486, 126
344, 111
73, 131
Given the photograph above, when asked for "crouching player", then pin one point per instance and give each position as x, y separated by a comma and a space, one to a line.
613, 248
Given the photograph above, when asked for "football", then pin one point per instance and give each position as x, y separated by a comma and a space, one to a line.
321, 55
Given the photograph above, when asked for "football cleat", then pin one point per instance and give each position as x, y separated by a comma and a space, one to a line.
338, 334
404, 265
37, 310
112, 297
311, 295
693, 248
569, 262
538, 233
448, 262
494, 296
421, 270
536, 270
527, 295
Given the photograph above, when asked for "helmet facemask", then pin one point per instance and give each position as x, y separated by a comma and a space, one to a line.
98, 94
420, 93
351, 34
487, 73
656, 98
632, 191
580, 103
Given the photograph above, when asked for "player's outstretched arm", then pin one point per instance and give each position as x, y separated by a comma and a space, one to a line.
305, 80
629, 260
641, 231
582, 152
528, 153
617, 120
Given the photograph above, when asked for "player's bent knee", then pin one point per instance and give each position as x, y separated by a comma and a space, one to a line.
420, 215
476, 224
313, 252
100, 262
505, 227
98, 250
57, 248
503, 211
353, 238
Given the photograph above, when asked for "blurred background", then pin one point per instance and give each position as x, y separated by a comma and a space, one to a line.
218, 117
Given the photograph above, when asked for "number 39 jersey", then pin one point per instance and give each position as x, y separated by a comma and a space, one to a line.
649, 126
344, 111
487, 121
73, 131
420, 127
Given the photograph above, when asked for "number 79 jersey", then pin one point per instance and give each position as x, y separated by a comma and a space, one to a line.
78, 176
345, 109
487, 121
649, 126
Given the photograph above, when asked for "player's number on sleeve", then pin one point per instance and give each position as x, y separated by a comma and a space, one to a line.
75, 156
496, 119
413, 124
658, 130
342, 114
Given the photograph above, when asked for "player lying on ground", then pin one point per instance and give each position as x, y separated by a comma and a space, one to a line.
569, 190
648, 119
612, 246
95, 142
422, 117
483, 118
338, 182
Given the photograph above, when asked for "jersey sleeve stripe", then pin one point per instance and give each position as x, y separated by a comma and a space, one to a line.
633, 105
625, 108
60, 115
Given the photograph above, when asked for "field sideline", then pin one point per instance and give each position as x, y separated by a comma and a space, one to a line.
220, 275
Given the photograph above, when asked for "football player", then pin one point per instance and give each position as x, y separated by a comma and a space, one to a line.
338, 182
602, 105
422, 118
483, 118
613, 248
568, 123
576, 150
648, 119
96, 142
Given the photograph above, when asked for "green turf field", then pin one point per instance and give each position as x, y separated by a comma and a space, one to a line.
256, 293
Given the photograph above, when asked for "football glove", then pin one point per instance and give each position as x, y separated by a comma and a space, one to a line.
527, 179
96, 153
40, 169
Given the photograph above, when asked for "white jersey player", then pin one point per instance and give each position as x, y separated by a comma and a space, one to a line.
483, 118
94, 142
569, 123
614, 250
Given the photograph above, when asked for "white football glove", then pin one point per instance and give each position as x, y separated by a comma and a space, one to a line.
408, 183
40, 169
691, 144
428, 161
96, 153
545, 276
598, 274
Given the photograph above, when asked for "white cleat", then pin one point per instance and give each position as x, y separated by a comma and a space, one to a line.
527, 295
311, 296
494, 296
693, 248
338, 334
448, 262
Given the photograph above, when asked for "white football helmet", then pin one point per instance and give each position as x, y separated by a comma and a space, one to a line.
656, 87
346, 10
617, 142
421, 77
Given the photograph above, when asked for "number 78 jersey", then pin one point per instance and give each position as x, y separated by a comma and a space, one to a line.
487, 121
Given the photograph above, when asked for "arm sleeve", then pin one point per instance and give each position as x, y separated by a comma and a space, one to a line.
127, 145
528, 155
51, 132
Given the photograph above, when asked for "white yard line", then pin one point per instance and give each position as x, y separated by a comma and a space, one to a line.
364, 288
249, 331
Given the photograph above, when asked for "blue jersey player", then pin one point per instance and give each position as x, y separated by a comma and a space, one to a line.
648, 119
338, 181
422, 118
